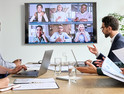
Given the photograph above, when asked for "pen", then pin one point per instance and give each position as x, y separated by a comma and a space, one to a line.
36, 63
97, 61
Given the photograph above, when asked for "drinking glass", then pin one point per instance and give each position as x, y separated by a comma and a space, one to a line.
58, 65
71, 72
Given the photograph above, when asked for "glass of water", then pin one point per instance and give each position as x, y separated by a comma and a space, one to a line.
71, 73
58, 65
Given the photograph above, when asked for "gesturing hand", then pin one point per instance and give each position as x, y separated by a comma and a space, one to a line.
93, 49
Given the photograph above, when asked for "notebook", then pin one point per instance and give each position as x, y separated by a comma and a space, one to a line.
43, 68
36, 83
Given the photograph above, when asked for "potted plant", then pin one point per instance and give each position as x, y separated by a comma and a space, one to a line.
121, 21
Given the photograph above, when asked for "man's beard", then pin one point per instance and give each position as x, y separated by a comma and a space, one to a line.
107, 35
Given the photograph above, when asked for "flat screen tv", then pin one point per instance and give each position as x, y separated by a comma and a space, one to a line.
48, 23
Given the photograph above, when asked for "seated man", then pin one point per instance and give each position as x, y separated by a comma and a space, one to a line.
109, 27
6, 64
9, 67
5, 81
6, 71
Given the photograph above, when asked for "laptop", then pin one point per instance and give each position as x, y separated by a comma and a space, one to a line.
43, 68
78, 63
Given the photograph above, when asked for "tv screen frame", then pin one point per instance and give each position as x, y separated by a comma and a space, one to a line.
71, 25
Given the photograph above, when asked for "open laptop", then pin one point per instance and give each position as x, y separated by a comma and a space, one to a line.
78, 63
43, 68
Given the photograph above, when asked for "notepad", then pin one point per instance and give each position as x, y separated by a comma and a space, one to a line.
33, 80
30, 83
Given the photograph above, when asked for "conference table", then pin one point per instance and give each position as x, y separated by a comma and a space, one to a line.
87, 84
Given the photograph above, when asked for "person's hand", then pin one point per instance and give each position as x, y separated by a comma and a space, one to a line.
18, 68
90, 69
122, 70
82, 32
58, 39
17, 62
88, 61
76, 19
83, 20
99, 62
4, 82
93, 49
35, 14
42, 13
63, 40
59, 17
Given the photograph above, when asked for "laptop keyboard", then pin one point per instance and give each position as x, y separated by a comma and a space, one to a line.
29, 73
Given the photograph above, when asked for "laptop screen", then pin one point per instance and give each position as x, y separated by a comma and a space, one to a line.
45, 62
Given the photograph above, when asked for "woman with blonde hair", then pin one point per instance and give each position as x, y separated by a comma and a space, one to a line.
82, 35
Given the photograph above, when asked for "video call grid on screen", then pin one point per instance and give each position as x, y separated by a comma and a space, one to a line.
77, 20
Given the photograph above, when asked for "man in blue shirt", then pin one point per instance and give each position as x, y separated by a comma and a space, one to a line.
60, 36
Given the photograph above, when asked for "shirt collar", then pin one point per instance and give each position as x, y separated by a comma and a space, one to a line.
112, 39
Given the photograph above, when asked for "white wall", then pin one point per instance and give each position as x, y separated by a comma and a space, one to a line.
12, 45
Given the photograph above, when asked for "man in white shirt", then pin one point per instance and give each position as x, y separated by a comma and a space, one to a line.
10, 65
84, 15
38, 16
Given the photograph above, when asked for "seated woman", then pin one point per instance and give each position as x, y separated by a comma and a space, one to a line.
82, 35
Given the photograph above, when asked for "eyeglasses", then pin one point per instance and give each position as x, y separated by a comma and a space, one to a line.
102, 28
60, 28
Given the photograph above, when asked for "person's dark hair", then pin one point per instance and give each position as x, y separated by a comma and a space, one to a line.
40, 27
111, 21
40, 5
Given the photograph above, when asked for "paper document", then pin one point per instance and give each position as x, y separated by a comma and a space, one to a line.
10, 87
63, 68
33, 66
28, 84
37, 86
35, 80
112, 70
66, 78
120, 54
